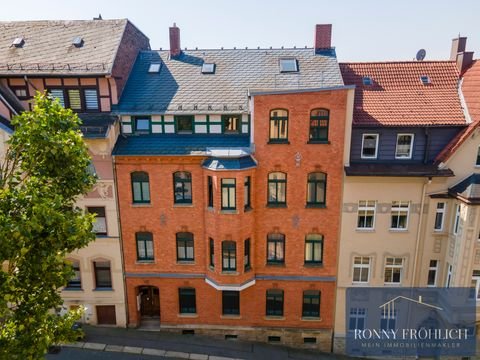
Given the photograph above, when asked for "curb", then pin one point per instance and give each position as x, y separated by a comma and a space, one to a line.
146, 351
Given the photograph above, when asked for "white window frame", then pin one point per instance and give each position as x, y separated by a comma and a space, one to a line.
456, 220
361, 266
365, 208
392, 267
399, 209
441, 212
435, 269
448, 280
376, 146
411, 147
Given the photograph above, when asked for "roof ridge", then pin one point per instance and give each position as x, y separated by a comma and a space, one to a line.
395, 62
40, 22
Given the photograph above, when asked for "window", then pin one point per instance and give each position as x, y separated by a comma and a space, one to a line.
369, 146
400, 210
316, 188
425, 79
246, 196
58, 94
144, 246
76, 281
103, 277
476, 285
208, 68
477, 163
186, 301
456, 222
231, 124
448, 280
210, 191
393, 270
432, 273
21, 92
278, 125
77, 99
319, 119
154, 68
100, 223
277, 188
288, 65
366, 214
74, 99
439, 216
311, 303
404, 146
388, 319
356, 319
275, 248
142, 125
246, 255
91, 99
228, 194
212, 252
230, 302
361, 269
367, 80
229, 256
140, 187
185, 246
314, 249
182, 184
184, 124
274, 302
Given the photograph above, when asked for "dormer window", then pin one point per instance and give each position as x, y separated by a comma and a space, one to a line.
208, 68
288, 65
18, 42
425, 79
367, 80
154, 68
77, 42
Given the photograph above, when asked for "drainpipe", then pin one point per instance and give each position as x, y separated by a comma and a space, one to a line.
419, 230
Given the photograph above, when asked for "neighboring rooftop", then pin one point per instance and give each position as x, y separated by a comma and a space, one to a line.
96, 125
180, 86
397, 170
412, 93
49, 48
467, 190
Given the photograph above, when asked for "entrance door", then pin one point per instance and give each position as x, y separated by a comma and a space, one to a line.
106, 315
149, 301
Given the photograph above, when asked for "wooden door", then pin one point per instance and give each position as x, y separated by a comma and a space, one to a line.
106, 315
149, 301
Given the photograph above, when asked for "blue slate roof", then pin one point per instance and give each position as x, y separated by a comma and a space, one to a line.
468, 189
223, 164
177, 144
180, 86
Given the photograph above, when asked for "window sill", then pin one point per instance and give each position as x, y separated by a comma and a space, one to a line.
279, 264
145, 262
274, 317
398, 230
273, 205
360, 284
247, 209
365, 230
188, 315
278, 142
185, 262
231, 317
141, 204
313, 264
182, 205
311, 318
103, 289
315, 206
368, 158
229, 211
101, 235
230, 272
318, 142
72, 289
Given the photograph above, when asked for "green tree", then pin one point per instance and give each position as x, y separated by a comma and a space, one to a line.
44, 170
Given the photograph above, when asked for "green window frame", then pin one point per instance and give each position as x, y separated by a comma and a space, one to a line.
247, 193
212, 252
144, 242
274, 302
314, 249
182, 185
278, 126
311, 303
140, 187
275, 248
230, 302
142, 125
231, 124
229, 256
319, 124
187, 301
277, 189
185, 246
185, 124
316, 189
229, 196
210, 191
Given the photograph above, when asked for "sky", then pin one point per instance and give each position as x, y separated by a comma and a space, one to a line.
363, 30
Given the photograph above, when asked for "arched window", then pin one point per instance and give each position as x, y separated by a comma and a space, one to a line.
275, 248
314, 249
277, 188
144, 246
103, 276
229, 256
319, 119
278, 125
182, 187
140, 187
316, 188
185, 246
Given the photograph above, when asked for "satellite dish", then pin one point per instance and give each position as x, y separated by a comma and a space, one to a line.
421, 55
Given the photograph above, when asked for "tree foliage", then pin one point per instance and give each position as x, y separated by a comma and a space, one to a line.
43, 173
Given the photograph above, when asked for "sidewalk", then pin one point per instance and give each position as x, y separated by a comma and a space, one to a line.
188, 346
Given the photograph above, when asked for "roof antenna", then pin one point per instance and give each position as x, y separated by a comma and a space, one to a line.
98, 18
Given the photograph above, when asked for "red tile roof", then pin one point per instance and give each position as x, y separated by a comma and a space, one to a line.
397, 96
471, 93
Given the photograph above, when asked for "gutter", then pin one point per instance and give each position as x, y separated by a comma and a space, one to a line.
253, 92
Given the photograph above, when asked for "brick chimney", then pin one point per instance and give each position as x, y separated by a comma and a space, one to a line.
323, 36
175, 49
463, 58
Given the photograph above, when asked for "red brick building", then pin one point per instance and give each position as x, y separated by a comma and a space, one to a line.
229, 176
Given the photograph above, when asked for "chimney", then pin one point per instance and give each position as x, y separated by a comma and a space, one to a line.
323, 36
175, 49
458, 54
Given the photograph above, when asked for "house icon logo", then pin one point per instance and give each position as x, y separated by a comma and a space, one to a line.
389, 307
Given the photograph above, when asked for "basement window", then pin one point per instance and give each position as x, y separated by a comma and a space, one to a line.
154, 68
367, 80
425, 80
208, 68
288, 65
18, 42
